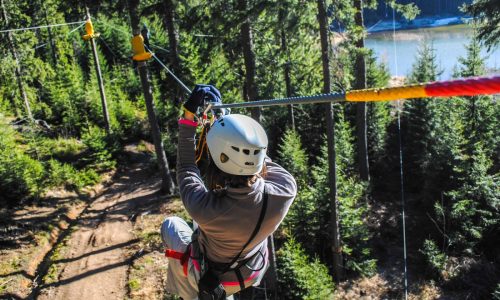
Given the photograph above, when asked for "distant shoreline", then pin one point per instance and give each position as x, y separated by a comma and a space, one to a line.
418, 23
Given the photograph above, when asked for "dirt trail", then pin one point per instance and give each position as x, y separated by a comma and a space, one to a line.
94, 262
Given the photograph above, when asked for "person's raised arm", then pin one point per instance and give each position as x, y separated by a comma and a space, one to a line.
281, 181
193, 192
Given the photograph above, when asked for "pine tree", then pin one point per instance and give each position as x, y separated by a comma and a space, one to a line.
487, 14
352, 206
301, 221
473, 206
378, 114
419, 123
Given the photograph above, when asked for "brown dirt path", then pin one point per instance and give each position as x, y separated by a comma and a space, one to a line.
94, 262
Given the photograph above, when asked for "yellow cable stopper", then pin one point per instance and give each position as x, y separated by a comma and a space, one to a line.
89, 28
386, 94
140, 53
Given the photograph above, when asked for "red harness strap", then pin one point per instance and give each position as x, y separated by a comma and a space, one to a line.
183, 257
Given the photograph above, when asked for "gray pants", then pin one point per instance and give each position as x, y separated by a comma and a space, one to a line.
176, 235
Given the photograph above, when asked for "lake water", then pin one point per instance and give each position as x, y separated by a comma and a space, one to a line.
448, 41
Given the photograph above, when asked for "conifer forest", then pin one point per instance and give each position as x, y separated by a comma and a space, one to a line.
396, 199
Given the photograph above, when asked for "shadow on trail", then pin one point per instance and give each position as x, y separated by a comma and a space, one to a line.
121, 245
23, 273
125, 262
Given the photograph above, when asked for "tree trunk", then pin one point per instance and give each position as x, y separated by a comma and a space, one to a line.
360, 83
168, 186
332, 167
172, 34
100, 83
49, 30
18, 70
167, 182
249, 57
286, 70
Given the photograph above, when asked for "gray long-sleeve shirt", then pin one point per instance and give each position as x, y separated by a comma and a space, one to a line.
227, 222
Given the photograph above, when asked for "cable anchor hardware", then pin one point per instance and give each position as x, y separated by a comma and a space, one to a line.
140, 53
89, 29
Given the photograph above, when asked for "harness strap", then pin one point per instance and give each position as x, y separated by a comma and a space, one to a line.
182, 257
240, 278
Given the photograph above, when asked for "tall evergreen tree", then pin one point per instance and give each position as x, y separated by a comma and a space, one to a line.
487, 14
419, 123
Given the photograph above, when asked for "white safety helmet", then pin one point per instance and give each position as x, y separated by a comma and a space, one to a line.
237, 144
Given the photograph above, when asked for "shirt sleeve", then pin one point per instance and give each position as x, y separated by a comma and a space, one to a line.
279, 182
193, 192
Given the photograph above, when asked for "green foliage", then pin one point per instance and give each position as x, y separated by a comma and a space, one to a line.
100, 149
496, 293
473, 209
434, 257
352, 207
62, 149
293, 158
20, 175
487, 16
468, 212
301, 278
301, 221
66, 175
421, 123
128, 119
378, 113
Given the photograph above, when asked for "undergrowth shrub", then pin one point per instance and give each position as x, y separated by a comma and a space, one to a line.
100, 149
20, 175
434, 257
63, 174
496, 293
129, 120
61, 149
299, 276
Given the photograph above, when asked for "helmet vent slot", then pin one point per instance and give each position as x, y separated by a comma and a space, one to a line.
223, 158
246, 151
248, 163
235, 148
256, 152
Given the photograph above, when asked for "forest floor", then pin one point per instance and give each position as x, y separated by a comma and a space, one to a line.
100, 244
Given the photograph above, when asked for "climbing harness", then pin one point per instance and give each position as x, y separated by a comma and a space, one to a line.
182, 257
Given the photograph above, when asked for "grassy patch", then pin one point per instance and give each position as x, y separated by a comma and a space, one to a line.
144, 146
134, 284
61, 148
151, 240
150, 270
10, 266
53, 272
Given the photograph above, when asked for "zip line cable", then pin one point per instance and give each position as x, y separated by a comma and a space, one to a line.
401, 173
402, 191
460, 87
39, 27
186, 89
75, 29
109, 48
158, 47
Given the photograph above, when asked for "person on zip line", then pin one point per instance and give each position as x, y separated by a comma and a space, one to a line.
245, 198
